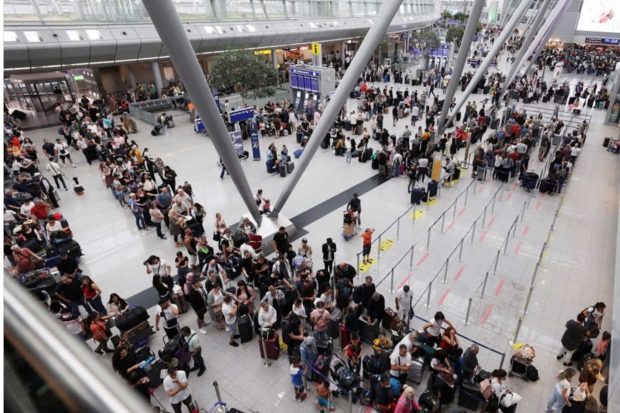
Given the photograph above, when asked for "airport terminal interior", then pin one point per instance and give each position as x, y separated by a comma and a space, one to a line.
401, 206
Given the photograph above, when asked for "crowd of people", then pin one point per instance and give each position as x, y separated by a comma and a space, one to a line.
589, 60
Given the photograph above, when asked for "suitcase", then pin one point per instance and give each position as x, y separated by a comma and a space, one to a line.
417, 195
530, 179
282, 170
321, 368
469, 397
297, 153
156, 129
547, 186
245, 328
325, 347
256, 242
368, 332
299, 136
375, 365
138, 335
131, 318
374, 164
290, 166
271, 347
181, 303
390, 319
333, 329
325, 142
416, 372
432, 189
71, 248
344, 336
576, 111
502, 175
494, 123
606, 142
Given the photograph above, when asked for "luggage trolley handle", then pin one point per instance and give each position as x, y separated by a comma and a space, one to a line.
217, 393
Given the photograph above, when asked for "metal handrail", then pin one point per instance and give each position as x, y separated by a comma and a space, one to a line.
81, 381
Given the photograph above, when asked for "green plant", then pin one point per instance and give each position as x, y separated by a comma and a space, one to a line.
246, 73
455, 35
460, 16
445, 15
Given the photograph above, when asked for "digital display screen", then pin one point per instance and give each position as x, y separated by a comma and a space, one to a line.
315, 84
307, 83
602, 16
294, 82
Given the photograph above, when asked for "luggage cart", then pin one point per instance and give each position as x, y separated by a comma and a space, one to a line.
521, 360
349, 225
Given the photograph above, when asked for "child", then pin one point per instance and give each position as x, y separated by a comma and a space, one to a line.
324, 397
353, 353
366, 244
603, 345
297, 379
77, 187
266, 206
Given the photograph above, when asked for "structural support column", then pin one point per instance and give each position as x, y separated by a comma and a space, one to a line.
461, 59
526, 41
159, 84
131, 77
274, 58
172, 33
497, 46
343, 53
358, 63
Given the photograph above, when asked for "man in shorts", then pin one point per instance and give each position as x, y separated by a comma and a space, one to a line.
366, 244
324, 397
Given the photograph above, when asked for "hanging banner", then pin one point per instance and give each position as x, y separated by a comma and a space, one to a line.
253, 129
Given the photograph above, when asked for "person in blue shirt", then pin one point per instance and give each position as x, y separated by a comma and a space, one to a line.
297, 379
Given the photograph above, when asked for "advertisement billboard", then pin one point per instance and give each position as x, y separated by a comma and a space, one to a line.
600, 16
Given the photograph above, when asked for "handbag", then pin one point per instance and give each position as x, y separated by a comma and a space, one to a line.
217, 236
510, 399
579, 394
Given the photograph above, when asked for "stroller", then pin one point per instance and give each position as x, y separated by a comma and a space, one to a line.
349, 225
348, 382
521, 363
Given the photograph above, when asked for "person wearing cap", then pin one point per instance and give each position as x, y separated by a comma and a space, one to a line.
169, 312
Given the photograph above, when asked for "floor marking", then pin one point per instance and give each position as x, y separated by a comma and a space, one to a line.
365, 267
443, 297
509, 196
486, 314
418, 214
449, 226
432, 202
386, 244
461, 212
482, 188
514, 186
491, 222
403, 282
538, 204
483, 236
525, 230
499, 287
421, 260
459, 272
518, 247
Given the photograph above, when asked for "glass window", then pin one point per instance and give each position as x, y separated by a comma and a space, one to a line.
240, 28
209, 29
312, 25
74, 35
94, 34
33, 37
219, 29
10, 37
251, 28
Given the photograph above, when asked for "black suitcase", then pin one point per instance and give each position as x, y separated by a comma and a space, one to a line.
325, 142
90, 153
245, 328
502, 175
290, 166
417, 195
375, 364
530, 179
71, 248
606, 142
282, 170
576, 111
19, 115
368, 332
156, 129
469, 397
299, 136
432, 189
494, 123
325, 347
131, 318
374, 164
547, 186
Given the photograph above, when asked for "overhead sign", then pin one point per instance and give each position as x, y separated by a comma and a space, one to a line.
305, 79
603, 40
316, 49
235, 116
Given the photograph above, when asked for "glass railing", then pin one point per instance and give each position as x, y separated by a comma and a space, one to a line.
124, 11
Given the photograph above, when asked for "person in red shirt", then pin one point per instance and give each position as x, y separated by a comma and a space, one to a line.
353, 352
366, 244
100, 333
25, 259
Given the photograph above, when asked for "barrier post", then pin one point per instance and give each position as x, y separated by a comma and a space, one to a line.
484, 215
445, 270
484, 285
461, 249
428, 239
514, 229
523, 210
428, 295
392, 281
411, 257
379, 249
350, 398
473, 231
398, 229
468, 311
358, 264
496, 262
466, 193
501, 363
517, 330
454, 211
443, 220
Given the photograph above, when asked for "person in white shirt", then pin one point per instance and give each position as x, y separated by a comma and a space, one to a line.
415, 112
267, 316
26, 208
157, 266
57, 173
400, 363
62, 150
169, 312
229, 309
403, 302
561, 391
177, 389
433, 328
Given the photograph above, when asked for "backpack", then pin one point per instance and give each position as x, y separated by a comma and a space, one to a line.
485, 389
531, 373
344, 289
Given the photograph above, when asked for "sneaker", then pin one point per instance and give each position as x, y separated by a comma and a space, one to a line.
234, 344
99, 352
202, 330
201, 372
303, 397
296, 396
73, 165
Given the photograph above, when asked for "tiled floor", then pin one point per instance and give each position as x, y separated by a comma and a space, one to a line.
577, 269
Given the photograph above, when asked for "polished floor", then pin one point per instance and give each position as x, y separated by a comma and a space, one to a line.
576, 271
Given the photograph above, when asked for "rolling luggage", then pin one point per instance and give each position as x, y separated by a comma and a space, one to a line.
245, 328
547, 186
321, 368
576, 111
374, 164
494, 123
325, 142
469, 397
131, 318
606, 142
374, 364
156, 129
390, 319
416, 372
256, 242
290, 166
297, 153
299, 136
432, 189
71, 248
368, 332
270, 346
502, 174
530, 179
282, 169
325, 347
333, 329
417, 195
